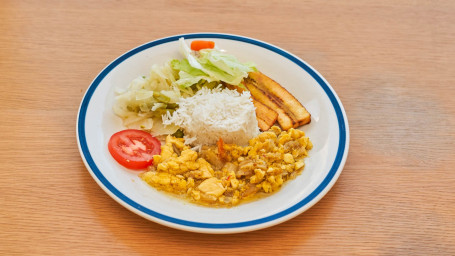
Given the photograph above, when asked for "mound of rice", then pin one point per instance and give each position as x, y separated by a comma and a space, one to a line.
213, 114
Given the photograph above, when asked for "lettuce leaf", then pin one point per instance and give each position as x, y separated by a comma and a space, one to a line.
210, 65
188, 75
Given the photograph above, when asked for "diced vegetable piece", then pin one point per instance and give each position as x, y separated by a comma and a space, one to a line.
197, 45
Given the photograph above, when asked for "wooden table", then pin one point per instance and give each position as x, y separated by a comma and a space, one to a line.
391, 63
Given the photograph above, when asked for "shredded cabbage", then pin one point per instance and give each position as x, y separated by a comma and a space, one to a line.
146, 99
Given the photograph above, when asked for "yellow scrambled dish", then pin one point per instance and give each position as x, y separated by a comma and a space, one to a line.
228, 174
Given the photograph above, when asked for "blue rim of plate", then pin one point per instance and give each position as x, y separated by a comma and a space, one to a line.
261, 221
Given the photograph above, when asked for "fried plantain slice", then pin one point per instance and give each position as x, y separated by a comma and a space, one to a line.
263, 97
265, 115
285, 100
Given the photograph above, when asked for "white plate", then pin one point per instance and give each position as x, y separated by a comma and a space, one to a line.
328, 131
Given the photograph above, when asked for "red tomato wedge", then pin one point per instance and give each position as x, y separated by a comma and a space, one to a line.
134, 149
197, 45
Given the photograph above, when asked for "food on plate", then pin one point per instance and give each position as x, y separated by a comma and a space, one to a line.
228, 174
260, 96
213, 114
210, 65
148, 98
291, 113
134, 149
197, 45
265, 115
217, 118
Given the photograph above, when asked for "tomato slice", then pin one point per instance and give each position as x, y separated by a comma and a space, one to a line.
134, 149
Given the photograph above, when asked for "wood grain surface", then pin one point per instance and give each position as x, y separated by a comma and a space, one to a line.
391, 63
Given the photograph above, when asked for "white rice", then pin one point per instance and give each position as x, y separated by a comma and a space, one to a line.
213, 114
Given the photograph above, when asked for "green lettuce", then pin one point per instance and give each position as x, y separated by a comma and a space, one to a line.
188, 75
209, 65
